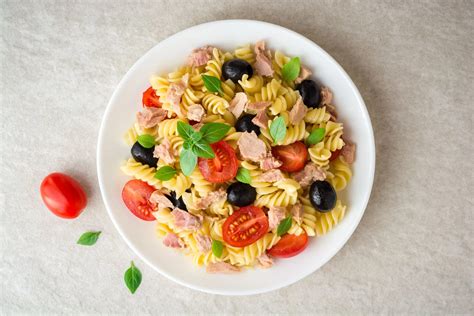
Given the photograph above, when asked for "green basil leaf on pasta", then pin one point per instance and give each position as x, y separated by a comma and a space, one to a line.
165, 173
188, 161
291, 69
187, 144
217, 248
214, 132
316, 136
243, 175
203, 149
278, 129
88, 238
211, 83
197, 136
133, 278
146, 140
284, 226
185, 130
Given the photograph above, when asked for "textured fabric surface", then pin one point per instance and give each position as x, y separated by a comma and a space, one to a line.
411, 60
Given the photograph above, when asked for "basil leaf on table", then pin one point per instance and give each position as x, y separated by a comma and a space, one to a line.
278, 129
188, 161
284, 226
203, 149
243, 175
316, 136
185, 130
133, 278
217, 248
291, 69
146, 140
214, 132
211, 83
88, 238
165, 173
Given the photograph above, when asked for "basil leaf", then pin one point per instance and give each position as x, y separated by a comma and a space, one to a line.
187, 144
243, 175
165, 173
188, 161
278, 129
203, 149
133, 278
88, 238
185, 130
214, 132
217, 248
146, 140
291, 69
197, 136
211, 83
284, 226
316, 136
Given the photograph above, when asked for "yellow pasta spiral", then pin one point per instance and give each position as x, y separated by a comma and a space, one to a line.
160, 85
333, 137
268, 92
317, 116
284, 102
179, 183
246, 53
319, 154
168, 128
228, 89
339, 173
214, 104
252, 85
247, 256
141, 172
201, 185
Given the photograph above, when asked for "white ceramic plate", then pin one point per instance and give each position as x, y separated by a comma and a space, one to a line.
165, 57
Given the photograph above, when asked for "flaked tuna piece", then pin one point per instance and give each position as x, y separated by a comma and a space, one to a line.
210, 198
269, 162
261, 119
160, 199
203, 242
149, 117
164, 152
263, 63
200, 56
304, 74
238, 104
173, 241
264, 261
326, 96
195, 112
258, 106
348, 152
184, 220
251, 147
222, 267
297, 212
275, 215
311, 172
175, 92
298, 111
273, 175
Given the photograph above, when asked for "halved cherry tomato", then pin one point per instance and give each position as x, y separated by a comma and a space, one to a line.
63, 195
150, 98
334, 155
136, 195
245, 226
223, 167
292, 156
289, 246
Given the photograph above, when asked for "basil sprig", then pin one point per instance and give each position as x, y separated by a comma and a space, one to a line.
132, 278
217, 248
165, 173
291, 69
88, 238
243, 175
146, 140
212, 84
278, 129
284, 226
316, 136
198, 143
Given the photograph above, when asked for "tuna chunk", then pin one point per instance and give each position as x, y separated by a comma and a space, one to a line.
269, 162
251, 147
310, 173
258, 106
160, 199
305, 73
200, 56
263, 64
275, 215
210, 198
297, 212
261, 119
264, 261
173, 241
298, 111
204, 243
273, 175
150, 117
326, 96
222, 267
238, 104
164, 152
184, 220
195, 112
348, 152
175, 92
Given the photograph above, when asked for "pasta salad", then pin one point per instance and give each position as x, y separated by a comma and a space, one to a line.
238, 157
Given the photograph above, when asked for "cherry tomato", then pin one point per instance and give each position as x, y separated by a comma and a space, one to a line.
63, 195
223, 167
245, 226
289, 246
135, 195
292, 156
150, 98
334, 155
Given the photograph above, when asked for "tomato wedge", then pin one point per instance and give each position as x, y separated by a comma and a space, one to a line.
245, 226
223, 167
289, 246
150, 98
135, 195
292, 156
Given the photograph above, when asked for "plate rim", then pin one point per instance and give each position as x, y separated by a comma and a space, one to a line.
340, 245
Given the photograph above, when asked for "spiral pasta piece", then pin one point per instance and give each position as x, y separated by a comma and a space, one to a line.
268, 92
228, 90
252, 85
179, 183
214, 104
247, 256
284, 102
168, 128
141, 172
319, 154
317, 116
201, 185
339, 173
160, 85
246, 53
333, 137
